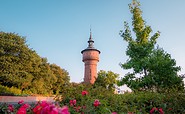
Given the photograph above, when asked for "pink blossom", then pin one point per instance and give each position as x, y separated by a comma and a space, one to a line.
23, 109
72, 102
50, 109
37, 109
84, 107
153, 110
21, 102
114, 112
63, 110
25, 106
40, 106
45, 103
161, 111
96, 103
84, 93
77, 108
10, 108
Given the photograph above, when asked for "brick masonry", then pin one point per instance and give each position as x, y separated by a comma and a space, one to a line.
90, 59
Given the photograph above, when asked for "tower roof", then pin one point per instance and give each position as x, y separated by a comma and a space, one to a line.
90, 44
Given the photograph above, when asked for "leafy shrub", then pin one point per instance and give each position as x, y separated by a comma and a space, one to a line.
137, 102
9, 91
175, 102
90, 99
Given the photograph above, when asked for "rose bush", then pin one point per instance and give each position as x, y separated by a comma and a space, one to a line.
85, 99
39, 108
141, 102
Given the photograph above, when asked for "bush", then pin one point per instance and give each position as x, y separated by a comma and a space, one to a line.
90, 99
9, 91
136, 102
175, 102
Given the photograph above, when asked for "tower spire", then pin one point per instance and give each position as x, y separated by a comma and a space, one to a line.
91, 42
90, 34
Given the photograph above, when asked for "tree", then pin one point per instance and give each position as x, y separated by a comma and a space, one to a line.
45, 78
141, 52
17, 61
107, 79
140, 48
23, 68
162, 71
62, 79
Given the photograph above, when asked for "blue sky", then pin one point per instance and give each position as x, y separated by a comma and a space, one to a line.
59, 29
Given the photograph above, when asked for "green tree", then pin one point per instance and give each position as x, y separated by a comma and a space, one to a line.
62, 79
45, 78
141, 47
22, 68
107, 79
17, 61
143, 57
162, 71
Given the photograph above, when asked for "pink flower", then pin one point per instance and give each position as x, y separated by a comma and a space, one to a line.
10, 108
23, 109
40, 106
21, 102
153, 110
114, 112
96, 103
161, 111
84, 107
45, 103
72, 102
50, 109
37, 109
84, 93
77, 109
25, 106
63, 110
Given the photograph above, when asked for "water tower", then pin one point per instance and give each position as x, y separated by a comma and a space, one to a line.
90, 59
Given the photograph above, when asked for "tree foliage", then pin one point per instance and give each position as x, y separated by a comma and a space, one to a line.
107, 79
17, 61
163, 71
23, 68
141, 47
62, 77
154, 67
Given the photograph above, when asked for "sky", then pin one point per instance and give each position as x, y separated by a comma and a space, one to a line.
59, 29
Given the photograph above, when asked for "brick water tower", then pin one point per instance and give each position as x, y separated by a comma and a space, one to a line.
90, 59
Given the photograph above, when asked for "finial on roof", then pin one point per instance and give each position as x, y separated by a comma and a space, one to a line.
90, 40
